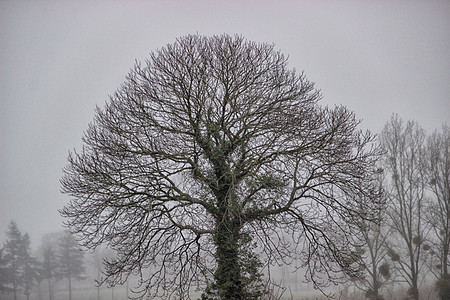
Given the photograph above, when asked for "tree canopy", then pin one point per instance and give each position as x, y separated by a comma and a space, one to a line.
214, 158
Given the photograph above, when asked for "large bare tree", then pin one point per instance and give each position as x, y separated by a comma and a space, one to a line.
212, 159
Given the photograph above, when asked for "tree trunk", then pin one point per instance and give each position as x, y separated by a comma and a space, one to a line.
70, 288
98, 286
414, 287
445, 257
375, 282
414, 272
228, 273
40, 290
14, 288
50, 292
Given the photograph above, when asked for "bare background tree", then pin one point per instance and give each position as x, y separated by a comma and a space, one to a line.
377, 267
438, 212
405, 161
212, 158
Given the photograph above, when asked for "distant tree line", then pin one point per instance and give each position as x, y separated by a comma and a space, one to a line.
20, 271
412, 240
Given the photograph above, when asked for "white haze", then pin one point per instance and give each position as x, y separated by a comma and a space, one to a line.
59, 59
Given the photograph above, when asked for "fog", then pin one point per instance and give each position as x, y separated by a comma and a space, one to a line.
59, 60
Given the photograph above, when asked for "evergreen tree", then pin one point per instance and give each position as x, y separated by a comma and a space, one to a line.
13, 252
48, 255
29, 267
70, 260
4, 274
49, 267
18, 268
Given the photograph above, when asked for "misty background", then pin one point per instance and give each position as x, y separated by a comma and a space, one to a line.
59, 59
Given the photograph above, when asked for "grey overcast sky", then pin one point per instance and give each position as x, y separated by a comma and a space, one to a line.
59, 59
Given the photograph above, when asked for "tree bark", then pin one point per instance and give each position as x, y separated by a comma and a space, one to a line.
70, 288
228, 273
15, 288
50, 293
